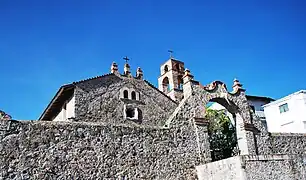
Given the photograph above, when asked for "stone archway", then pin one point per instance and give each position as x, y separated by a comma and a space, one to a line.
236, 102
193, 108
222, 135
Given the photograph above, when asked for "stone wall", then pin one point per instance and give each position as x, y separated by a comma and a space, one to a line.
279, 143
268, 167
288, 143
98, 100
285, 167
63, 150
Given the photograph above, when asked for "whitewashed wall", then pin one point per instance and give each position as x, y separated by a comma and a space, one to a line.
292, 121
64, 115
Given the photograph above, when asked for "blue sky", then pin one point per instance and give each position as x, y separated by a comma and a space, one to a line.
47, 43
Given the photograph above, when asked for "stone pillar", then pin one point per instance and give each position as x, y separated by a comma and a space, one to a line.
127, 70
237, 85
244, 126
187, 86
139, 73
201, 131
114, 68
241, 135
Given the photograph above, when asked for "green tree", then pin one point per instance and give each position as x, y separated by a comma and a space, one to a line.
222, 134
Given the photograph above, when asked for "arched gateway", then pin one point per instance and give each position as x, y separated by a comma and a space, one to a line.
190, 114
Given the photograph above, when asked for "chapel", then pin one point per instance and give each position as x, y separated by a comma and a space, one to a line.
121, 97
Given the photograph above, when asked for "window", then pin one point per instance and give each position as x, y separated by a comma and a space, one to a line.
166, 85
133, 114
125, 94
133, 95
177, 67
130, 113
180, 82
166, 69
283, 108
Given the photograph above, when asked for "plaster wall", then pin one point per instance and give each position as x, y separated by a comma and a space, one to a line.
227, 169
67, 113
268, 167
292, 121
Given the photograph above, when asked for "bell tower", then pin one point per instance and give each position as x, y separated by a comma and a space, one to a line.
170, 80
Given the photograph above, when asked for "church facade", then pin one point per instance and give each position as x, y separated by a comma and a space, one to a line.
120, 97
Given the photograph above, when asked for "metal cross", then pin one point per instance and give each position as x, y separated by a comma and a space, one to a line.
170, 51
126, 59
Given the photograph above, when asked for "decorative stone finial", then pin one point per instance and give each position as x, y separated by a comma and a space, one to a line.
127, 69
139, 73
126, 66
114, 68
187, 76
237, 85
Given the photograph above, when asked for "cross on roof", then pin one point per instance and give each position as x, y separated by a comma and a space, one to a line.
170, 51
126, 59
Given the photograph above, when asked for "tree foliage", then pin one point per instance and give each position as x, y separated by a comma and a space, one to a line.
222, 134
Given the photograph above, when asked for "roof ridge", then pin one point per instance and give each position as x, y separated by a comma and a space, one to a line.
150, 84
92, 78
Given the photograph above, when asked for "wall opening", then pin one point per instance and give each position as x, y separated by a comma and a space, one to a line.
177, 67
221, 129
180, 82
130, 113
125, 94
166, 85
134, 114
166, 68
133, 95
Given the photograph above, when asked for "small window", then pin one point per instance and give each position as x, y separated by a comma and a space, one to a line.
125, 94
283, 108
180, 82
130, 113
133, 95
177, 67
166, 69
133, 114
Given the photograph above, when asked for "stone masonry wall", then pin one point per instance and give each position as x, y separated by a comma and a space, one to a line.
274, 167
98, 100
279, 143
288, 143
73, 150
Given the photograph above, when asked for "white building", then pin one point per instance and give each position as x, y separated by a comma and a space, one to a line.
287, 114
